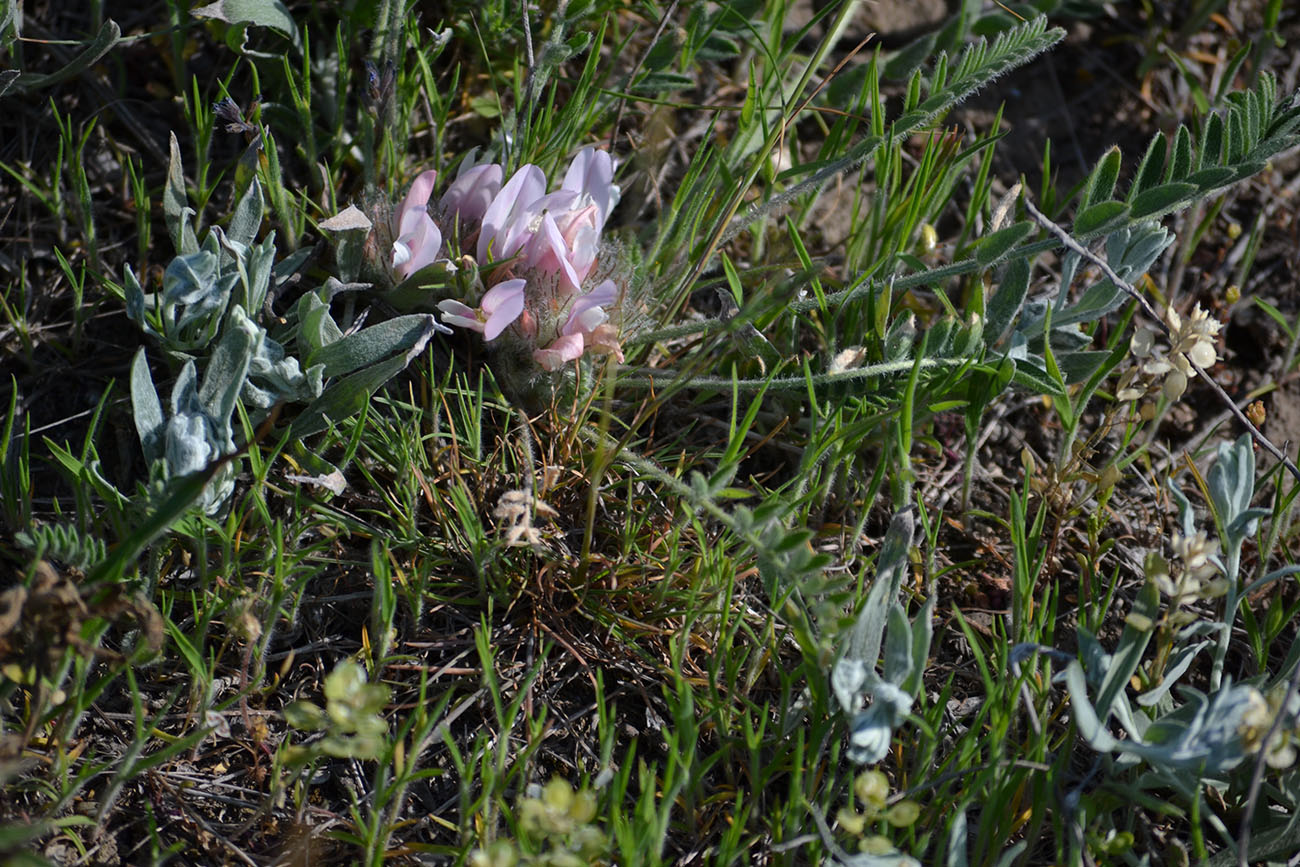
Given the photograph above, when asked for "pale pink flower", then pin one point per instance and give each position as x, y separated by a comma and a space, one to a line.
592, 174
470, 195
561, 235
548, 252
581, 230
501, 306
505, 222
588, 327
557, 232
563, 350
418, 237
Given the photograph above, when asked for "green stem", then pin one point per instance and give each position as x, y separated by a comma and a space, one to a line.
844, 296
1232, 570
796, 383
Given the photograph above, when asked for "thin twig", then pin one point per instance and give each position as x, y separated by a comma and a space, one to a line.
1075, 247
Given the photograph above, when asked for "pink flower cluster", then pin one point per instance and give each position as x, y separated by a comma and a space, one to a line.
538, 249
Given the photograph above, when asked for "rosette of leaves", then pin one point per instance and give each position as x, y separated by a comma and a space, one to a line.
206, 280
198, 428
214, 295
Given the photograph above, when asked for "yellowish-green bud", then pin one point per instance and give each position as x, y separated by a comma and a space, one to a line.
851, 821
903, 813
876, 845
558, 795
583, 808
872, 789
929, 238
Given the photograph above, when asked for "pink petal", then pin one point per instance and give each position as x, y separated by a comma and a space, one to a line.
592, 173
581, 231
472, 193
525, 187
424, 243
564, 349
527, 223
583, 317
548, 253
458, 314
603, 295
503, 303
604, 341
416, 202
401, 254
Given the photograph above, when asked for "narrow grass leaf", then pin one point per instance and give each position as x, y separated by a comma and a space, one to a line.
181, 495
108, 36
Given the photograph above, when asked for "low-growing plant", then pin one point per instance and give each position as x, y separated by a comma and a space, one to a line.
659, 509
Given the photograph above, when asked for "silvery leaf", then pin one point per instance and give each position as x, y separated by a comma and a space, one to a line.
1176, 667
272, 375
190, 278
234, 249
898, 646
848, 681
371, 345
147, 409
135, 300
1232, 485
261, 260
188, 449
346, 396
176, 210
872, 730
247, 218
865, 638
866, 859
1186, 514
869, 736
185, 394
227, 369
1202, 735
1232, 478
317, 328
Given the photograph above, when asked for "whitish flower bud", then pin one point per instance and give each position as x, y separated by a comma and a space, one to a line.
1175, 384
1202, 354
